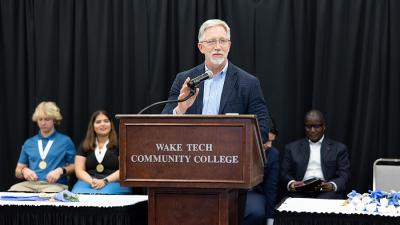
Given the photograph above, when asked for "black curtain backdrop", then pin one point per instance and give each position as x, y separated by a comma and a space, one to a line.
342, 57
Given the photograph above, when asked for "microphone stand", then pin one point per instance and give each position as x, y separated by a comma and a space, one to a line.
191, 93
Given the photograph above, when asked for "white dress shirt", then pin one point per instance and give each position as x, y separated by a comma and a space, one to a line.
314, 169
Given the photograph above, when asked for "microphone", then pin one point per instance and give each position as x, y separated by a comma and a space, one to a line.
197, 80
193, 83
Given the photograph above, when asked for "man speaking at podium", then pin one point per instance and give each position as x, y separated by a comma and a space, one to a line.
228, 90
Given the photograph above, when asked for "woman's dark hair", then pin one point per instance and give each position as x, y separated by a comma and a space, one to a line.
89, 143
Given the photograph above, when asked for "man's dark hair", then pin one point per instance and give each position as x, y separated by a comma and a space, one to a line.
315, 112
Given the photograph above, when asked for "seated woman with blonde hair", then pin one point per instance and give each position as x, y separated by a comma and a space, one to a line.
97, 159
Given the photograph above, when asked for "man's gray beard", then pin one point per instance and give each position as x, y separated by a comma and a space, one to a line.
217, 61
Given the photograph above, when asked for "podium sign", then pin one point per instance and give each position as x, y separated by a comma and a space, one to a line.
192, 158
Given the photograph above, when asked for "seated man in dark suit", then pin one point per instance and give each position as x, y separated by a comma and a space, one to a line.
260, 202
316, 157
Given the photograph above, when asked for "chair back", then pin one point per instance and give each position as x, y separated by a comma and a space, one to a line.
386, 174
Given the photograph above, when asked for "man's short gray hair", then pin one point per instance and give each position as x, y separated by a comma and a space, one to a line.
213, 23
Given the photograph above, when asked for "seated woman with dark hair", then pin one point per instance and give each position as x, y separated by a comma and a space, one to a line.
97, 159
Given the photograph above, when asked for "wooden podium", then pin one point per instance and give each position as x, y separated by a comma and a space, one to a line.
194, 166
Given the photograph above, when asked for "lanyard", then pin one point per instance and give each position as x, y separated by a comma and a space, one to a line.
43, 153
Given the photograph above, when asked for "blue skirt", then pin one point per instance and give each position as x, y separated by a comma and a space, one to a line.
112, 188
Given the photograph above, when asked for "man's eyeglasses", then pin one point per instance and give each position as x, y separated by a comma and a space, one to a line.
315, 126
213, 42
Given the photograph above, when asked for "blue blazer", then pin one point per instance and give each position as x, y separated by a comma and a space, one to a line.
261, 199
334, 162
241, 94
271, 179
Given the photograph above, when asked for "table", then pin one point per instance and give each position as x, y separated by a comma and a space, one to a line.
91, 210
307, 211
